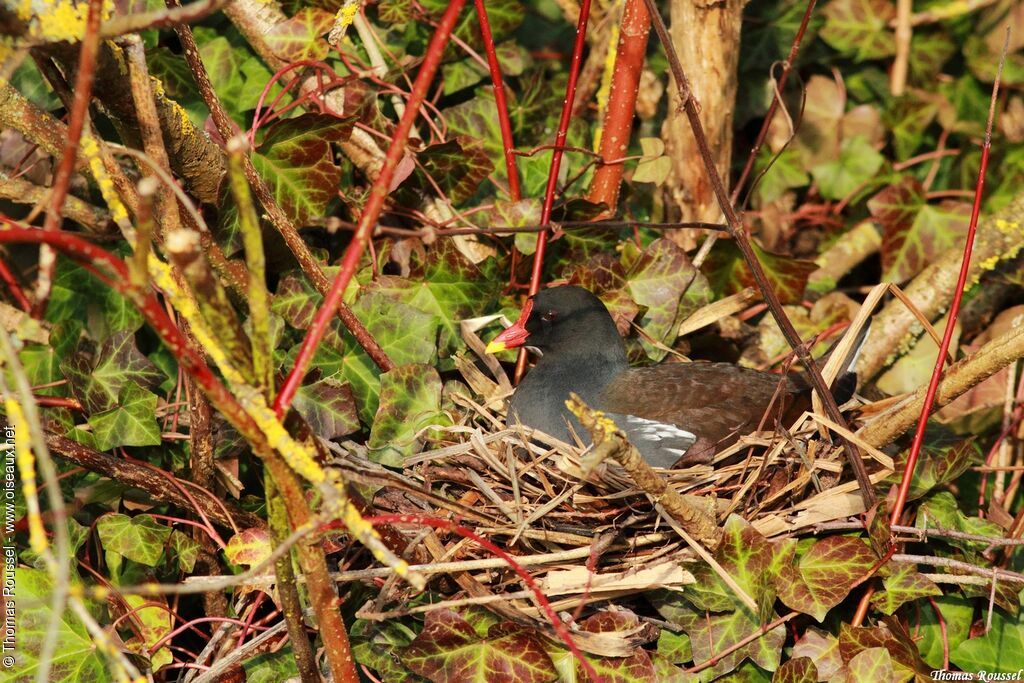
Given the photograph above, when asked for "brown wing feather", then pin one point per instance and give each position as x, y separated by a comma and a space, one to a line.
718, 402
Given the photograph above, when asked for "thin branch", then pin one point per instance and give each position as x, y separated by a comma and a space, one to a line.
739, 235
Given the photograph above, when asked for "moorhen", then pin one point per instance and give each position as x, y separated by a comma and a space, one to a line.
675, 414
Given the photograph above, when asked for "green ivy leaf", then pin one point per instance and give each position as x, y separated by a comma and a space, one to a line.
75, 655
957, 613
186, 549
873, 664
858, 163
904, 584
379, 644
271, 667
675, 647
860, 28
295, 159
908, 118
410, 400
450, 649
753, 562
223, 63
712, 634
786, 172
140, 539
822, 577
98, 379
130, 423
941, 510
153, 621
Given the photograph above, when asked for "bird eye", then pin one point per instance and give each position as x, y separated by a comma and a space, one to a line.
548, 316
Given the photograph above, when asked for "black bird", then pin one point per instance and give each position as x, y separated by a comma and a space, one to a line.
675, 413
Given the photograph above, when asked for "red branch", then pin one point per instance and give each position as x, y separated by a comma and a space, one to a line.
76, 124
618, 119
549, 611
947, 336
556, 161
372, 210
15, 289
500, 101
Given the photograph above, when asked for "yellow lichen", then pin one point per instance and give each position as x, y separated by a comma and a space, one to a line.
90, 151
606, 82
56, 20
27, 469
347, 14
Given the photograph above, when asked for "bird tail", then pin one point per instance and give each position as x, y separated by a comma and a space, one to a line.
845, 383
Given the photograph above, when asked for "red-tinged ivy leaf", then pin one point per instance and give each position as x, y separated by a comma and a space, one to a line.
822, 649
728, 273
753, 562
822, 577
710, 635
930, 49
152, 620
520, 214
874, 664
75, 655
186, 550
296, 160
879, 529
140, 539
896, 207
449, 650
410, 401
132, 422
957, 614
797, 670
249, 547
935, 229
296, 301
378, 645
903, 584
604, 275
858, 163
329, 407
477, 118
299, 37
943, 458
662, 279
860, 28
457, 166
97, 378
905, 660
637, 667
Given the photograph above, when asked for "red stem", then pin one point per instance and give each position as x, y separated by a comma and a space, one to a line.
498, 82
371, 212
556, 623
76, 124
12, 285
947, 336
556, 161
618, 119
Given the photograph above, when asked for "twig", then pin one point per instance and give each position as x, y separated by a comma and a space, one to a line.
76, 124
372, 209
500, 101
556, 163
928, 400
901, 63
739, 236
310, 266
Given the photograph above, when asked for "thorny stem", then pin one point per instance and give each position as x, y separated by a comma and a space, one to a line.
76, 124
947, 336
372, 210
739, 236
556, 162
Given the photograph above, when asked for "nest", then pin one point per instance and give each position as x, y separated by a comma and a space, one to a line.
588, 534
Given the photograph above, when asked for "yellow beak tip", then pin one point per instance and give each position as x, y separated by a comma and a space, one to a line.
496, 347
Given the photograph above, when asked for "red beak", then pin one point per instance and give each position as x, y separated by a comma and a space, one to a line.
515, 335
